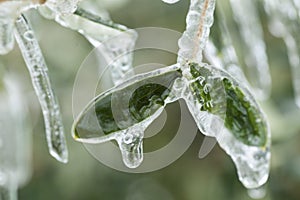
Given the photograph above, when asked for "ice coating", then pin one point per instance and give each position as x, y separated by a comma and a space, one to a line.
284, 23
212, 97
39, 74
198, 22
251, 154
246, 16
124, 112
115, 42
221, 106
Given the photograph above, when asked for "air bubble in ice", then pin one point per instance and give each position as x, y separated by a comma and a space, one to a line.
29, 35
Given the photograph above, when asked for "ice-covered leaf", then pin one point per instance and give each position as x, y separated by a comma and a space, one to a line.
234, 118
243, 116
124, 112
125, 105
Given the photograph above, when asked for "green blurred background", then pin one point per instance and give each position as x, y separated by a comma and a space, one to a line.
189, 178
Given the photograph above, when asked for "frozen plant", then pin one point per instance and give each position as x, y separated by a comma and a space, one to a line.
221, 106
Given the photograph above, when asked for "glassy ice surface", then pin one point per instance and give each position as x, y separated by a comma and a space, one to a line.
198, 22
246, 16
124, 112
41, 83
170, 1
221, 107
251, 155
114, 42
15, 140
284, 23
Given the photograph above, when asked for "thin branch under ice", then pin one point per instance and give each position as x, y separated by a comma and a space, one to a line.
246, 16
198, 22
38, 71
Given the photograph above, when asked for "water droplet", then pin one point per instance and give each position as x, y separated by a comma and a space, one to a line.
257, 193
131, 146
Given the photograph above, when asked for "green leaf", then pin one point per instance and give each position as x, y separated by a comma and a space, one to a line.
243, 118
127, 104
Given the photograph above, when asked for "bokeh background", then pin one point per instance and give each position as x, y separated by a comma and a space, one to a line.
189, 178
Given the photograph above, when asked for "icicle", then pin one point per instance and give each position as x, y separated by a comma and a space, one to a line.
21, 133
256, 59
226, 57
8, 189
14, 140
198, 22
284, 23
115, 42
40, 80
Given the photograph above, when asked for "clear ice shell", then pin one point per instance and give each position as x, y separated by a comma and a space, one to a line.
198, 22
39, 75
122, 122
252, 162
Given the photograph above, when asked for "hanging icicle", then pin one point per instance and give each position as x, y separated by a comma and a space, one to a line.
39, 75
15, 140
255, 56
284, 23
